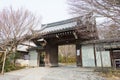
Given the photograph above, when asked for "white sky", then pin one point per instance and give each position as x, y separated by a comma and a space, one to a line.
50, 10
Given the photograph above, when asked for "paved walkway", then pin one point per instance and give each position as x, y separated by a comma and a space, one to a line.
55, 73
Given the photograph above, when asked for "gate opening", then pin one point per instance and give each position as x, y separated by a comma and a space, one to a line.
41, 59
67, 54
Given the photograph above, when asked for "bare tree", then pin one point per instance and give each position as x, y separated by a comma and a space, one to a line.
105, 8
109, 9
15, 27
109, 31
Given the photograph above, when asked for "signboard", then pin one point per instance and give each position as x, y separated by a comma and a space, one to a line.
78, 52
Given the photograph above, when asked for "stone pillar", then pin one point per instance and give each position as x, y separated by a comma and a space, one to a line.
51, 58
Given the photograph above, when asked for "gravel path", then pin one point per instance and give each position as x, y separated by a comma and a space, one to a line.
55, 73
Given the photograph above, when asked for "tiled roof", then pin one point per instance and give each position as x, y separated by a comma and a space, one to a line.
66, 24
24, 46
110, 40
113, 43
58, 26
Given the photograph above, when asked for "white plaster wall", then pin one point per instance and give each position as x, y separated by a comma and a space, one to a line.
88, 56
22, 62
105, 58
33, 58
98, 59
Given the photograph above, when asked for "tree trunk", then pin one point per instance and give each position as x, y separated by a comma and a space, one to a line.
15, 51
3, 66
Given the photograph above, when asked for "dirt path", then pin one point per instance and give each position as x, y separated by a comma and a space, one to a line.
55, 73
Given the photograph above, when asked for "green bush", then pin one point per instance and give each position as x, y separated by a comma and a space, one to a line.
9, 65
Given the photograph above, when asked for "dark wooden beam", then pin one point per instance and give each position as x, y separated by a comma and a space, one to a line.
75, 35
81, 55
95, 55
111, 58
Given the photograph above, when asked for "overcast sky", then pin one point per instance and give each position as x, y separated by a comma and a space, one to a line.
50, 10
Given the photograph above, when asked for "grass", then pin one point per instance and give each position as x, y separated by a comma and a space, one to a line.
109, 73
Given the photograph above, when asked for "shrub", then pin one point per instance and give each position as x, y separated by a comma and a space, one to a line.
9, 66
9, 63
